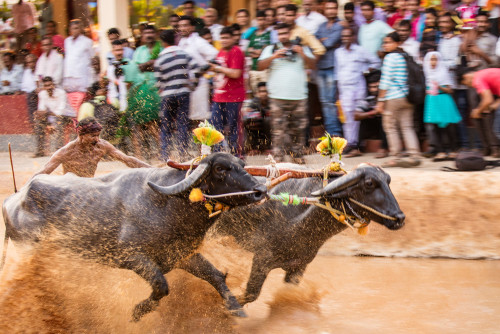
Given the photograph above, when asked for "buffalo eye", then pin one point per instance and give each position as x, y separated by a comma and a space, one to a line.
369, 183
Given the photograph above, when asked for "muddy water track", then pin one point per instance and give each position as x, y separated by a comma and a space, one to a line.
421, 279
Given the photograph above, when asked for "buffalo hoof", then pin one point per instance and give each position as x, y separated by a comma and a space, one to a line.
143, 308
235, 308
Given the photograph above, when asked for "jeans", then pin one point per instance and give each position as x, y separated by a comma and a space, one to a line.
398, 114
174, 112
227, 114
496, 126
460, 97
327, 90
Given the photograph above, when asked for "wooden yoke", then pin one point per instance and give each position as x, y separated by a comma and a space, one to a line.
262, 171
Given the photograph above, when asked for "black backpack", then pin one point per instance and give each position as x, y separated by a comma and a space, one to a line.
415, 81
468, 161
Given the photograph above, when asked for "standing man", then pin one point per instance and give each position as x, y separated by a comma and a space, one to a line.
23, 15
306, 38
50, 63
397, 112
408, 43
174, 70
258, 41
29, 85
211, 17
287, 86
77, 64
143, 98
329, 35
202, 52
117, 87
351, 60
373, 31
311, 20
82, 155
229, 89
481, 51
53, 110
189, 8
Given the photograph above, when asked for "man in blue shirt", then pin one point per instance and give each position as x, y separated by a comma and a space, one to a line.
329, 35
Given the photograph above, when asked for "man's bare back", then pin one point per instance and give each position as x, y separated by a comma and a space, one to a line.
82, 155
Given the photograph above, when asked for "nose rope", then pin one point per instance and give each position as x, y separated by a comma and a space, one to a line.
231, 194
366, 207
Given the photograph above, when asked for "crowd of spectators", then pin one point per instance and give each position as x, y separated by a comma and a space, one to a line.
255, 79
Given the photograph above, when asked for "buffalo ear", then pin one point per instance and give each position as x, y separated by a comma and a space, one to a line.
191, 181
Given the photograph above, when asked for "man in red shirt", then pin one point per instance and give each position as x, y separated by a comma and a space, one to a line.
229, 88
487, 85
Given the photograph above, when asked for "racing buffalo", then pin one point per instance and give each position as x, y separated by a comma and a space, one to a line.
136, 219
289, 237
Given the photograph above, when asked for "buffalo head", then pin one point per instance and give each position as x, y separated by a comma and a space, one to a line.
366, 192
219, 174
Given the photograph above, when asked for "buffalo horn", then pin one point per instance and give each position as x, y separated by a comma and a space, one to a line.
341, 183
191, 181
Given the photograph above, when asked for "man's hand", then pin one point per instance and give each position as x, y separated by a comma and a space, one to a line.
475, 114
279, 54
6, 83
39, 114
298, 49
380, 107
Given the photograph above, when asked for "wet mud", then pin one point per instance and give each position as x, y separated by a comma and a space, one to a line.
400, 287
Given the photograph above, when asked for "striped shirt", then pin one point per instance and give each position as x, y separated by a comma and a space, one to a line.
175, 72
394, 77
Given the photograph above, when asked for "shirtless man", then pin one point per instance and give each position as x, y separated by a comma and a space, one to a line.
82, 155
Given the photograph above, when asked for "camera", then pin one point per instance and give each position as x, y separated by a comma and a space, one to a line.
290, 54
118, 67
205, 68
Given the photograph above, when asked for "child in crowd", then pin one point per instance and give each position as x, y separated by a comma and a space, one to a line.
430, 36
370, 120
440, 112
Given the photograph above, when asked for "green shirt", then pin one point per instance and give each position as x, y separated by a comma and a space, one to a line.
141, 55
258, 42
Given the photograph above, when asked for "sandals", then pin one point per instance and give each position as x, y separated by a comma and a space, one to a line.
404, 163
381, 154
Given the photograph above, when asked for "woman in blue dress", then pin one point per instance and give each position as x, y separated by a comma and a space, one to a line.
440, 112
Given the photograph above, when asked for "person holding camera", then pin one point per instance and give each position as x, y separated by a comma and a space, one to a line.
117, 87
229, 88
287, 86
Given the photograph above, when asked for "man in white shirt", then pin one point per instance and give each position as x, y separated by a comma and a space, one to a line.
372, 32
351, 60
201, 52
29, 85
11, 74
408, 44
77, 60
210, 19
53, 110
50, 62
311, 20
117, 88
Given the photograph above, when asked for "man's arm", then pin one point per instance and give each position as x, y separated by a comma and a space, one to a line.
309, 59
267, 57
55, 160
487, 100
118, 155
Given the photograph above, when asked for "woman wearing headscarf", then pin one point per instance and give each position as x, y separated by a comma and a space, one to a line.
440, 111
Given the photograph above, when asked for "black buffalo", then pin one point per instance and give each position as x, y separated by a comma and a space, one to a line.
137, 219
289, 237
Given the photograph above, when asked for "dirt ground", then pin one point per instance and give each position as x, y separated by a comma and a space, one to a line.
420, 279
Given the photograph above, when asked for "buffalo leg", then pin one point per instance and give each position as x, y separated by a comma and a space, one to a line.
260, 270
149, 271
200, 267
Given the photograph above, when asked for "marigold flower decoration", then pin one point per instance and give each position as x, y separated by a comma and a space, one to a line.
206, 134
329, 146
